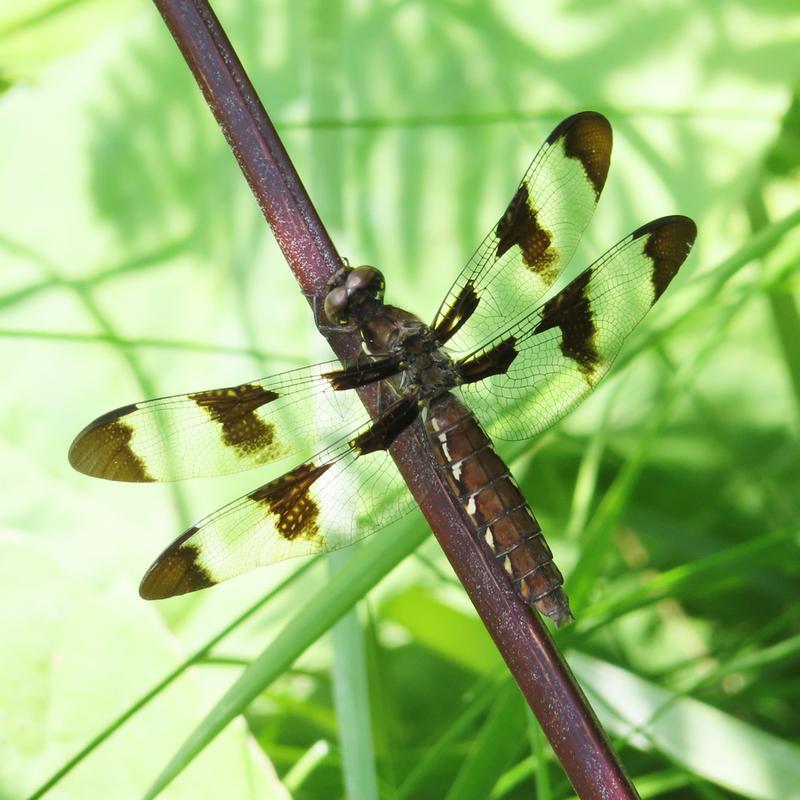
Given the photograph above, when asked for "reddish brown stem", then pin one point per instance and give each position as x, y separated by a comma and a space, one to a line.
538, 667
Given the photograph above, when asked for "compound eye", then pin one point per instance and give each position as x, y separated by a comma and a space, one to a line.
336, 302
367, 280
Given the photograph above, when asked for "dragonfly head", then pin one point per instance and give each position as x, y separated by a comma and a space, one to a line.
349, 289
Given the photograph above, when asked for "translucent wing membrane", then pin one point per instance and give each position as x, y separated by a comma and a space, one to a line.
519, 367
224, 430
535, 238
566, 345
341, 495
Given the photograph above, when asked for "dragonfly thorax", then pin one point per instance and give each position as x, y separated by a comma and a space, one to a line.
429, 375
355, 299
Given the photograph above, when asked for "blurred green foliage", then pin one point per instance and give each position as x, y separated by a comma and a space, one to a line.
134, 262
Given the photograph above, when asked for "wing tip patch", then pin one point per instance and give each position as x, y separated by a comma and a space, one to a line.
103, 449
594, 118
668, 244
176, 571
678, 223
588, 138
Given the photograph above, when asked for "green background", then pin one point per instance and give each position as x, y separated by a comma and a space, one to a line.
134, 262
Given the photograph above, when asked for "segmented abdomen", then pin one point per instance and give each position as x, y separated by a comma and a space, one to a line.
495, 506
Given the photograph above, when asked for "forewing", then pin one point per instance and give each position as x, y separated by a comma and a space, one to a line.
535, 238
226, 430
341, 495
546, 364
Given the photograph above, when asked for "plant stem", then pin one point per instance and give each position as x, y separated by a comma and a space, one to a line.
538, 667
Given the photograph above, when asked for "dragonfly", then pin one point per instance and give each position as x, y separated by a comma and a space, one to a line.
505, 356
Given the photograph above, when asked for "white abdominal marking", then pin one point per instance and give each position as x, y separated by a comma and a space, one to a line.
471, 507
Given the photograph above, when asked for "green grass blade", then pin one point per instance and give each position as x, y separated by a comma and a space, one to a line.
698, 576
782, 305
539, 747
709, 743
305, 765
444, 630
787, 324
481, 695
351, 698
494, 747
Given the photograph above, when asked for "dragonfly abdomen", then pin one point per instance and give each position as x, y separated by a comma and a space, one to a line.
495, 506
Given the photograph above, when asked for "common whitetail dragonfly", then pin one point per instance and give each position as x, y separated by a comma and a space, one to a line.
519, 366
